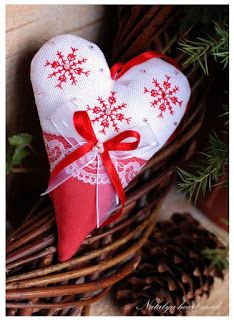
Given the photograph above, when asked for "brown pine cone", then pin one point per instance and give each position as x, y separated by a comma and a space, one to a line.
172, 271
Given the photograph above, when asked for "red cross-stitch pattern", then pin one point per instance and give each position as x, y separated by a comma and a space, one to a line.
164, 96
67, 68
108, 113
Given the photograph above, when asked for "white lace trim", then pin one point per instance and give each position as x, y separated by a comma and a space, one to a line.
126, 172
85, 169
88, 173
55, 151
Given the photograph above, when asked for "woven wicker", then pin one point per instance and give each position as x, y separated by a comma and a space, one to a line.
38, 285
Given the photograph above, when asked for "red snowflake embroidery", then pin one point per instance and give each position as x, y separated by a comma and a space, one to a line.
68, 67
164, 96
108, 113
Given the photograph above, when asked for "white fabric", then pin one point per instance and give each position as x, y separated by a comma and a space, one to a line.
135, 97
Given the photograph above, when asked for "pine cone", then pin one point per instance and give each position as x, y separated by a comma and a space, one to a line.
172, 272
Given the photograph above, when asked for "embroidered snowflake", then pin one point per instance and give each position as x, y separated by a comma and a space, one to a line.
108, 113
164, 96
67, 68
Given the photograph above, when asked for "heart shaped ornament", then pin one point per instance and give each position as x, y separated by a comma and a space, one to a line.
117, 119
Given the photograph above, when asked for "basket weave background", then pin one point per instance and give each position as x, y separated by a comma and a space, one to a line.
36, 283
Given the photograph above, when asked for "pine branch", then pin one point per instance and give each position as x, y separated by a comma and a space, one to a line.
207, 171
202, 16
201, 49
217, 257
226, 112
220, 50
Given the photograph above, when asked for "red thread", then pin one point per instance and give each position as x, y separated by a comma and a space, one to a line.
67, 68
108, 113
164, 96
119, 68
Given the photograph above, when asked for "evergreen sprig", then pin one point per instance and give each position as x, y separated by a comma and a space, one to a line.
207, 171
217, 257
202, 17
202, 48
19, 145
225, 113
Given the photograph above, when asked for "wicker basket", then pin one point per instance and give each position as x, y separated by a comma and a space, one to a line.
38, 285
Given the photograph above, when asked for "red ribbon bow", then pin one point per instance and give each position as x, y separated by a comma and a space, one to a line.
84, 128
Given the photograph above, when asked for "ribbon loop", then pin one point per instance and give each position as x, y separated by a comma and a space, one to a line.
117, 143
84, 128
118, 69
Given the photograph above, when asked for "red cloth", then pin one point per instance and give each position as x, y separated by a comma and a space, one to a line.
75, 207
75, 201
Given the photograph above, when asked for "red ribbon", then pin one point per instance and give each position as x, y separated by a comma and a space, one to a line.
118, 69
84, 128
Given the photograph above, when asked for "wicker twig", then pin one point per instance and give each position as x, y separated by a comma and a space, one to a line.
36, 283
75, 262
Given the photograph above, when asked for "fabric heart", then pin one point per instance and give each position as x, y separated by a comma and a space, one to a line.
70, 74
